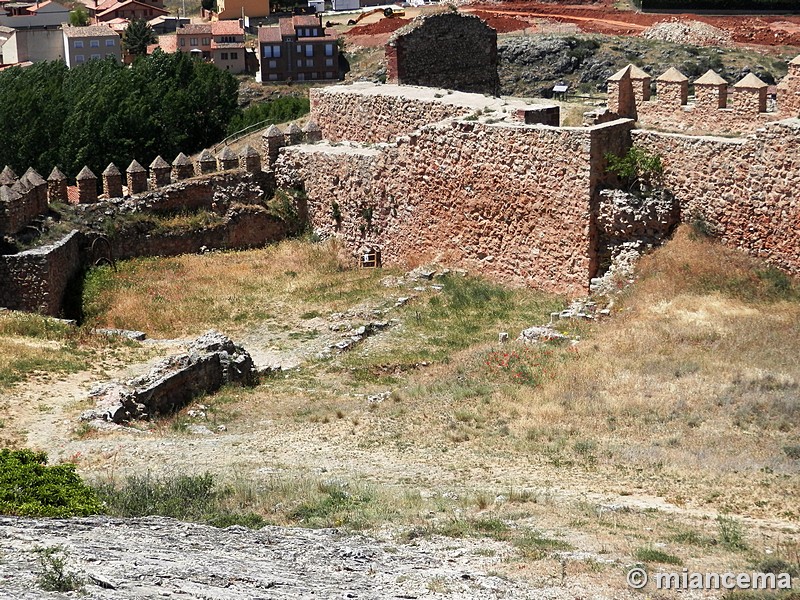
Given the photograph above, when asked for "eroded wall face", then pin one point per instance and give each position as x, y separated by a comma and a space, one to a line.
509, 201
744, 189
448, 50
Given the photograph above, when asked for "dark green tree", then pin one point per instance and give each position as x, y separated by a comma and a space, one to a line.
79, 17
137, 37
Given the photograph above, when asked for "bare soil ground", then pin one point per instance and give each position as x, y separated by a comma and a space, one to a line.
681, 407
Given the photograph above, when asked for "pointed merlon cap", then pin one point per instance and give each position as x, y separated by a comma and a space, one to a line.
226, 154
795, 60
750, 82
111, 170
311, 126
293, 129
273, 131
8, 194
710, 77
621, 74
134, 167
85, 174
181, 161
7, 176
637, 73
21, 186
206, 156
672, 75
248, 151
159, 163
56, 175
33, 177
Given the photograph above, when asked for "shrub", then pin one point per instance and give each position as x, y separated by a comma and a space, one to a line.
657, 556
29, 488
54, 576
730, 533
638, 169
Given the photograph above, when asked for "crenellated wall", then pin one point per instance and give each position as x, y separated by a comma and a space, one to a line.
713, 109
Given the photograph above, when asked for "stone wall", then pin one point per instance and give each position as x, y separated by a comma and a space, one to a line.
744, 189
244, 227
447, 50
22, 203
35, 280
369, 113
512, 201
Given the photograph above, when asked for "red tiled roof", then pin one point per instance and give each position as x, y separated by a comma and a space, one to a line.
167, 43
269, 34
286, 27
117, 5
89, 31
226, 28
305, 21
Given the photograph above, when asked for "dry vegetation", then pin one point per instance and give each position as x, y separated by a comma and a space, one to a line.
684, 405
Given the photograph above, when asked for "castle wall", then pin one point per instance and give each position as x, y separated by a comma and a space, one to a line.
35, 280
369, 113
744, 189
511, 201
15, 215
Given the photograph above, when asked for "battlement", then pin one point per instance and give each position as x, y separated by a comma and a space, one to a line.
714, 108
25, 199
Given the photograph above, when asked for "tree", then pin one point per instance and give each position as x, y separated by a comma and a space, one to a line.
137, 37
79, 17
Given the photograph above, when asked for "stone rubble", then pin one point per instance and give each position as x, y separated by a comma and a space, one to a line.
213, 360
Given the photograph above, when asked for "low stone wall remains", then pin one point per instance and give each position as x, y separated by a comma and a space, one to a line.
36, 280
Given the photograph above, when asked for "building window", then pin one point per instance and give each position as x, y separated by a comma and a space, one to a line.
109, 55
94, 43
314, 75
309, 50
328, 75
328, 62
299, 49
206, 41
95, 57
224, 56
77, 44
183, 42
193, 41
301, 77
299, 62
309, 62
109, 43
273, 64
272, 51
328, 49
79, 58
315, 33
234, 55
273, 77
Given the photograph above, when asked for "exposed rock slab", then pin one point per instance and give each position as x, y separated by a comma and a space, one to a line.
158, 557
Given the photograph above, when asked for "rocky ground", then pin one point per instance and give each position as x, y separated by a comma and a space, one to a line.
157, 557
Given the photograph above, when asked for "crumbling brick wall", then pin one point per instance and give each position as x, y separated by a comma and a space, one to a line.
448, 50
36, 280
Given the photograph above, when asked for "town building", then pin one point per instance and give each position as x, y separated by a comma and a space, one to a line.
236, 9
107, 10
94, 42
30, 45
299, 48
21, 15
218, 42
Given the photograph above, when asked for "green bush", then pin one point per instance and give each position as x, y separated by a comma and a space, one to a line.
638, 168
29, 488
